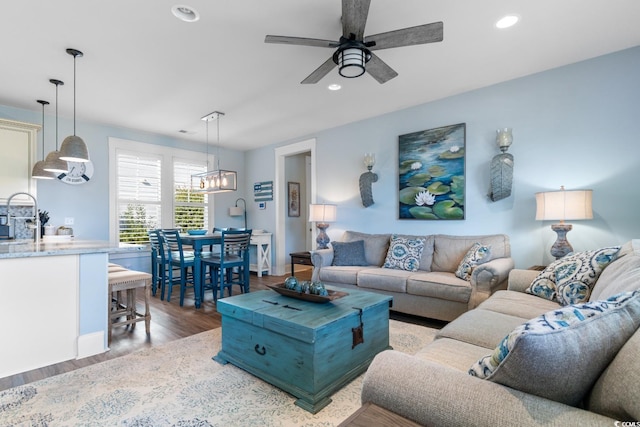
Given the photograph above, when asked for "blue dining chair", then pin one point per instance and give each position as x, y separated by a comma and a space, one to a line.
230, 266
181, 260
159, 262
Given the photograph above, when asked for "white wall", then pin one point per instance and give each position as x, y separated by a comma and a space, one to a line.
575, 126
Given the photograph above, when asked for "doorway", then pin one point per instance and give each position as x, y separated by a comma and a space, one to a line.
280, 195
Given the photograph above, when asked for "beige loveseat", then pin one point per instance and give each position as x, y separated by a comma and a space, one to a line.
434, 387
433, 291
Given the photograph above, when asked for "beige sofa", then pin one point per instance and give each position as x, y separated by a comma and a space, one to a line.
434, 387
433, 291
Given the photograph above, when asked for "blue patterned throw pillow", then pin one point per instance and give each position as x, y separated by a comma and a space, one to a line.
404, 253
569, 280
577, 342
476, 255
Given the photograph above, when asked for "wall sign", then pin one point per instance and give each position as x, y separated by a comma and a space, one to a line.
263, 191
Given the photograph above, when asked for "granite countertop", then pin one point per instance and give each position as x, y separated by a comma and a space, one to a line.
28, 248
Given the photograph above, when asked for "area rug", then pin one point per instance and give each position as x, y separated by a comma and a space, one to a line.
178, 384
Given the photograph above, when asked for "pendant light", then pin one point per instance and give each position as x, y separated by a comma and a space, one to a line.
73, 148
38, 171
53, 162
217, 180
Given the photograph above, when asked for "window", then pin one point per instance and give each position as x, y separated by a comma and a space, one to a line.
150, 188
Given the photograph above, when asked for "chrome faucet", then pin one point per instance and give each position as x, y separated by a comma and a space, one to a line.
36, 216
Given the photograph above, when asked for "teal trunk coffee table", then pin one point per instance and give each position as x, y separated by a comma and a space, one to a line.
308, 349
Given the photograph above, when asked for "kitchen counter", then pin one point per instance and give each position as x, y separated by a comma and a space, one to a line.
55, 296
28, 248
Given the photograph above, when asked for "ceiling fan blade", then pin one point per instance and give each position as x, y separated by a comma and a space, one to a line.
301, 41
320, 72
379, 69
354, 17
427, 33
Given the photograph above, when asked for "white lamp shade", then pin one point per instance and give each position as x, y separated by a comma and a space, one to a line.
322, 213
236, 211
564, 205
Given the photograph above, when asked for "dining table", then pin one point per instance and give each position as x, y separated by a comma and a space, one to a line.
197, 242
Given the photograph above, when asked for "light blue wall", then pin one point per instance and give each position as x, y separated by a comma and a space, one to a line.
576, 126
88, 203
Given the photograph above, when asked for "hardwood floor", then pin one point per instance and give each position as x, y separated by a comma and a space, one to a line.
169, 322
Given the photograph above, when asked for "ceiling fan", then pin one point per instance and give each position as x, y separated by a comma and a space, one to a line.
353, 53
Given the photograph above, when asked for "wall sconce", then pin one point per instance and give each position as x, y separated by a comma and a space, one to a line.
502, 167
366, 179
562, 205
239, 211
322, 215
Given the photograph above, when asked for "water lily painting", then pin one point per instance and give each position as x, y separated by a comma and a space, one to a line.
431, 173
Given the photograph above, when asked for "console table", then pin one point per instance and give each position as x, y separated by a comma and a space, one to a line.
262, 242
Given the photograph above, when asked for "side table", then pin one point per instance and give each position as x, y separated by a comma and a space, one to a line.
300, 258
262, 242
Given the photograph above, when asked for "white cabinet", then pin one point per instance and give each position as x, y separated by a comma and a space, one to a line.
262, 242
18, 148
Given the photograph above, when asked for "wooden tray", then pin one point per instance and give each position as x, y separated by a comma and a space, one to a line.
307, 297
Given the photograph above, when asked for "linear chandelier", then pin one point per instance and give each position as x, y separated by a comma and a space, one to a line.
217, 180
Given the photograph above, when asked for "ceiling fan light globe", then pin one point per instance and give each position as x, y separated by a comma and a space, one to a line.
351, 62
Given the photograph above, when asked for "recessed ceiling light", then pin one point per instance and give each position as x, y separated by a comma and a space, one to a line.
334, 86
507, 21
185, 13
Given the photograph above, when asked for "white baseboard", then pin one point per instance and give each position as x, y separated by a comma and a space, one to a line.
90, 344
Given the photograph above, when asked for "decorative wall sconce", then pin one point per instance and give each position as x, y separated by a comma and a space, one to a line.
502, 167
366, 179
239, 211
322, 215
562, 205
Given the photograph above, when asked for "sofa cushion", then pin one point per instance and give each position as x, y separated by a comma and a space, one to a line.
476, 255
622, 275
448, 251
518, 304
453, 353
349, 253
481, 327
375, 245
616, 393
576, 273
554, 356
341, 274
404, 253
439, 285
385, 279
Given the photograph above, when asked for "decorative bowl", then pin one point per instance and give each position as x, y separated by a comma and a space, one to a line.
307, 297
197, 232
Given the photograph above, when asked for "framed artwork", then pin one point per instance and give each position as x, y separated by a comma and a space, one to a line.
293, 200
431, 173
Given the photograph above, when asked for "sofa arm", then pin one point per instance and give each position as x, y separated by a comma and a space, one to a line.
320, 258
487, 278
437, 395
519, 280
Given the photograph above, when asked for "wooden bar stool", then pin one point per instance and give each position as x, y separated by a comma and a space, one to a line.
123, 280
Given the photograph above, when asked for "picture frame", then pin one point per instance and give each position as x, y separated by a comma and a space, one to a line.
293, 199
431, 174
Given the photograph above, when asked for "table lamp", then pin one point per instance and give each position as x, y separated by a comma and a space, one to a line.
563, 205
322, 215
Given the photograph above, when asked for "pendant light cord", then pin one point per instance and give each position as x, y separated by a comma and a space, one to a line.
56, 116
74, 94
